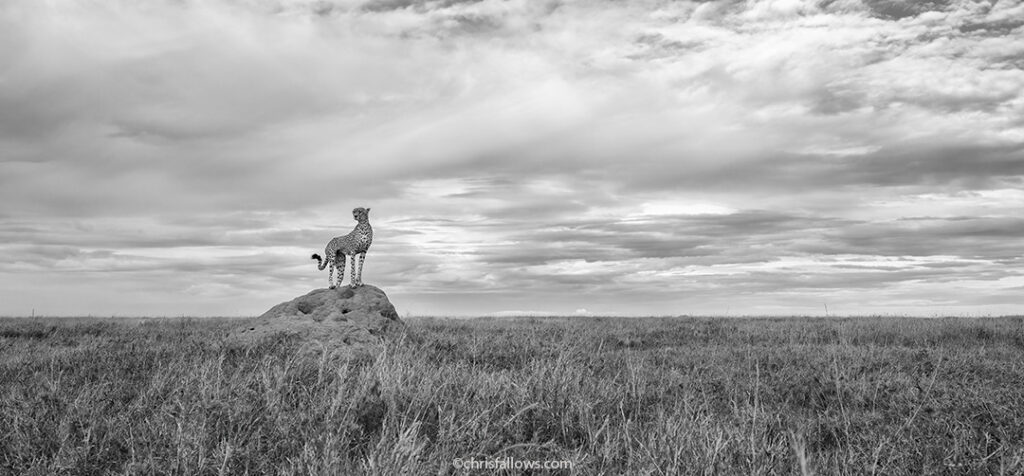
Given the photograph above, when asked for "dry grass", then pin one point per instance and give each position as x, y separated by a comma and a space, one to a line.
614, 396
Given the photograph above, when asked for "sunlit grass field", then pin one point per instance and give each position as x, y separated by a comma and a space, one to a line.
612, 396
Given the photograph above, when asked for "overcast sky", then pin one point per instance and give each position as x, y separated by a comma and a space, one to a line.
620, 158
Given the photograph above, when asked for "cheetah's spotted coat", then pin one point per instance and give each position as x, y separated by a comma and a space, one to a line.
353, 244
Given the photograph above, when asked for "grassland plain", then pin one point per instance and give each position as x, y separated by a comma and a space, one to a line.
614, 396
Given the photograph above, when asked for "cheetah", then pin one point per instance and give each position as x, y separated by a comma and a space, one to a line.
353, 244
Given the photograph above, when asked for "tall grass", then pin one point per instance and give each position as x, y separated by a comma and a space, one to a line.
612, 396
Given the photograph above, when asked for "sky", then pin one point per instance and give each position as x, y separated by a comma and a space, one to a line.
577, 157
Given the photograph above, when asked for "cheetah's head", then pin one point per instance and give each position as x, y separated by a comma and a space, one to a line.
361, 214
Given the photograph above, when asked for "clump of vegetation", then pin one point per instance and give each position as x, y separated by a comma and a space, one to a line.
610, 395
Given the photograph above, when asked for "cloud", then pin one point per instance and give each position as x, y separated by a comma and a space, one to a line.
990, 238
517, 155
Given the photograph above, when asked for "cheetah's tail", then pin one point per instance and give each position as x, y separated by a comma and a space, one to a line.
320, 263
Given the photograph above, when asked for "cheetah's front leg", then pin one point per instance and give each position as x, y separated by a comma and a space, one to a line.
352, 283
362, 256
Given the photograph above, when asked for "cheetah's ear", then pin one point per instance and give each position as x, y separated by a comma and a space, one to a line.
367, 210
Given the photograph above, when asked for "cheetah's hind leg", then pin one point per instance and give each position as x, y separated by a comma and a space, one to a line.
330, 274
339, 261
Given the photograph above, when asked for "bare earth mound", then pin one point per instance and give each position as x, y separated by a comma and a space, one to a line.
338, 318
